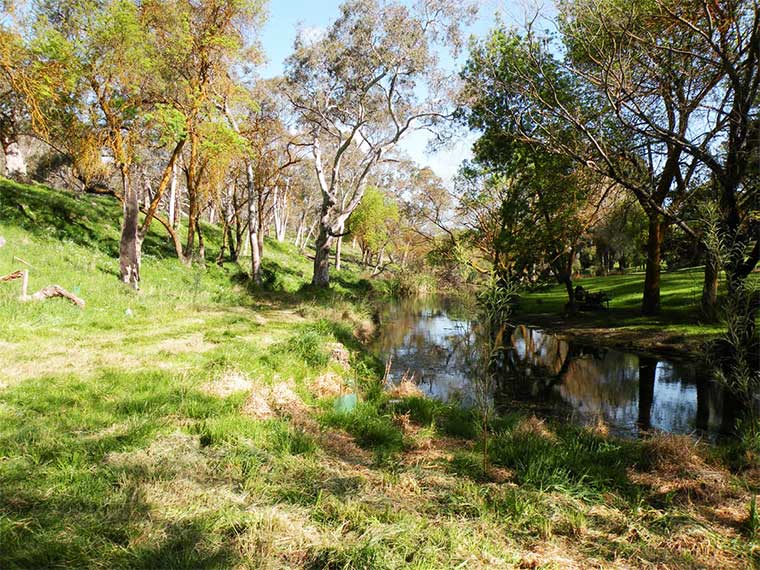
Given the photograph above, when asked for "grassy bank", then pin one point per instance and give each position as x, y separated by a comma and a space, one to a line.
193, 425
679, 327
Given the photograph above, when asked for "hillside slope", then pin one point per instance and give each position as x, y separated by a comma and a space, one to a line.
194, 425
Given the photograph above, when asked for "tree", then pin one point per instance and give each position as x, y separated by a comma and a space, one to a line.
26, 85
138, 75
270, 151
712, 50
201, 42
572, 105
621, 235
546, 204
357, 89
371, 223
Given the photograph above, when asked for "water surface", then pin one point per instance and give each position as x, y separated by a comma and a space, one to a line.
430, 340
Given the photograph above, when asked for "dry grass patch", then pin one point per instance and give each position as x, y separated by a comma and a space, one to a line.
277, 536
177, 453
406, 388
265, 402
328, 385
228, 383
339, 354
189, 343
675, 465
365, 331
536, 427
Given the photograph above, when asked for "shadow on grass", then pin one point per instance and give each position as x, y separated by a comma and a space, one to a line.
63, 504
184, 547
88, 220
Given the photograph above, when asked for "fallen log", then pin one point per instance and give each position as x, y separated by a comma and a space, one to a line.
45, 293
53, 291
11, 276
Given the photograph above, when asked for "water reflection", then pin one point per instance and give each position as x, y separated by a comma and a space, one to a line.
630, 393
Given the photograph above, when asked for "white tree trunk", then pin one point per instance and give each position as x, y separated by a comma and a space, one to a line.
15, 161
306, 240
281, 212
173, 197
339, 247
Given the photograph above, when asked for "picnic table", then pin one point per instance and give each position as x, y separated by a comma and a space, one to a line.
588, 300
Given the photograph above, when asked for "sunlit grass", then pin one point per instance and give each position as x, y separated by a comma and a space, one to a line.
680, 303
114, 452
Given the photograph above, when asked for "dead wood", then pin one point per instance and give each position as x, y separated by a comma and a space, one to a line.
12, 276
53, 291
45, 293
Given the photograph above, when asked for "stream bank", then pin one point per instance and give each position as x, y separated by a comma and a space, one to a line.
587, 379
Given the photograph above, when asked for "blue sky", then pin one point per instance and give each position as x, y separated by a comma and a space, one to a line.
286, 17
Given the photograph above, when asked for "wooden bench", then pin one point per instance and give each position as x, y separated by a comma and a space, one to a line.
588, 300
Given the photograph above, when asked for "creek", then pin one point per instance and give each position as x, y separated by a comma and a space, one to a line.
429, 339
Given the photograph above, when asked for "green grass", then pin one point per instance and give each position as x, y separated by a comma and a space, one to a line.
117, 452
680, 304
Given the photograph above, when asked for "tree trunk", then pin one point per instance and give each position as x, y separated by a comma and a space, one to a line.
15, 161
280, 211
301, 229
173, 197
567, 281
380, 260
201, 243
177, 207
322, 259
338, 248
190, 241
225, 241
651, 300
255, 258
710, 287
129, 244
306, 240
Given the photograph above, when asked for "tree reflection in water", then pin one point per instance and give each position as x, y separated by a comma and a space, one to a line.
630, 393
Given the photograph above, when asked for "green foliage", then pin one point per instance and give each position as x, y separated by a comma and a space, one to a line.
408, 284
373, 219
753, 520
371, 425
170, 122
308, 344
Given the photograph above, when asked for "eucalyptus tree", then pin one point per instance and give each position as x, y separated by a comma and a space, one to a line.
136, 78
708, 55
201, 42
372, 223
563, 93
370, 80
104, 49
304, 202
259, 117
